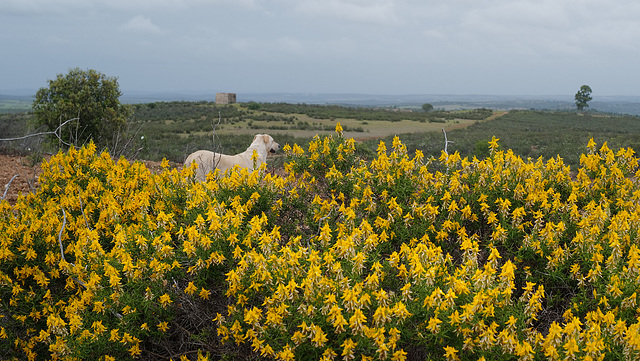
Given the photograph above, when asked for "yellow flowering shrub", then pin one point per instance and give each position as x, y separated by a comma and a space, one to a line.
395, 258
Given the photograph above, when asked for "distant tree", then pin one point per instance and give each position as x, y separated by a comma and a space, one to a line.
89, 96
253, 106
427, 107
583, 97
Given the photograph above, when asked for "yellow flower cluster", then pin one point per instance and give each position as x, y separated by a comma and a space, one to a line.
464, 257
340, 259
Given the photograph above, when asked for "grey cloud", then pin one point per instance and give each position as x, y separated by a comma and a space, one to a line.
376, 12
141, 24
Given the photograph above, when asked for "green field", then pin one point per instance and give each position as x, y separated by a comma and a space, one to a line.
354, 128
172, 130
535, 134
15, 105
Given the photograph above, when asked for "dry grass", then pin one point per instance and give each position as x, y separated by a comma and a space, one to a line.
371, 129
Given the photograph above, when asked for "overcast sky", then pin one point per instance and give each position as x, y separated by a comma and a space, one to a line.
499, 47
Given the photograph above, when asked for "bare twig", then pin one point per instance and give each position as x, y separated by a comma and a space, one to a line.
215, 125
55, 132
446, 142
157, 356
120, 149
75, 139
64, 223
6, 188
82, 209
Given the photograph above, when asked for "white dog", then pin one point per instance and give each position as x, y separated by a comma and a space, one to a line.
209, 161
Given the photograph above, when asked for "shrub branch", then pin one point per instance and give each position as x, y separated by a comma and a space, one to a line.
55, 132
6, 188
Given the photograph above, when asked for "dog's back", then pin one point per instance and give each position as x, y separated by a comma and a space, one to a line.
206, 160
209, 161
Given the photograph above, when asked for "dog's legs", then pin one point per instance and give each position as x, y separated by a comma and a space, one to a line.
208, 166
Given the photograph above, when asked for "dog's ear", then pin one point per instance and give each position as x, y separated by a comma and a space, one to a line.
265, 137
255, 137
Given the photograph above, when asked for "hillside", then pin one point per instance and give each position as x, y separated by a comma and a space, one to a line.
174, 129
12, 101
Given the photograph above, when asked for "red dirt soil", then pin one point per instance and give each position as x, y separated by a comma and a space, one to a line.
26, 180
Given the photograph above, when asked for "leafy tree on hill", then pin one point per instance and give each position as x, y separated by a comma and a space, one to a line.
583, 97
427, 107
89, 97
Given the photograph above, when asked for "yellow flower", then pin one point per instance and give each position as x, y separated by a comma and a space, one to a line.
267, 351
400, 310
135, 350
31, 254
399, 355
319, 337
252, 316
571, 346
348, 347
434, 324
165, 300
328, 355
493, 143
98, 307
358, 262
357, 321
98, 328
163, 326
286, 354
191, 289
339, 322
204, 294
451, 353
298, 337
454, 318
188, 248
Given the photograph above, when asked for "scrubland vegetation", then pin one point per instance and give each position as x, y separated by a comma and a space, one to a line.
172, 130
400, 257
187, 126
535, 134
518, 248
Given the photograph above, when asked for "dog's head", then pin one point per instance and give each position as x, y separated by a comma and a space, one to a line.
269, 143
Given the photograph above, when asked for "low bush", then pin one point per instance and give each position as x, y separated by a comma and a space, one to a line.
533, 134
400, 258
367, 113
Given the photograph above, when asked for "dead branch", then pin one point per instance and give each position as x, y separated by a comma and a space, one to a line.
82, 209
446, 142
123, 150
215, 125
64, 223
55, 132
6, 187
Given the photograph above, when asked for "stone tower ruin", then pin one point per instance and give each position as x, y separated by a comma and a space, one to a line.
225, 98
